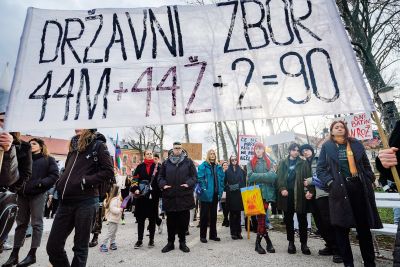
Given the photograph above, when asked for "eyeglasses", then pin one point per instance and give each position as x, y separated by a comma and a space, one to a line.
234, 159
177, 148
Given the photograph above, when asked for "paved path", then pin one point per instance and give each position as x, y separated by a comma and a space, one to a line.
224, 253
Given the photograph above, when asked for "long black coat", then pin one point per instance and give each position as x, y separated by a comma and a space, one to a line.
232, 179
340, 210
44, 174
177, 198
146, 207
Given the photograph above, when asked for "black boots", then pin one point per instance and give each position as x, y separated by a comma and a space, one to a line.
29, 260
13, 259
94, 241
291, 248
170, 246
305, 249
259, 248
183, 247
270, 247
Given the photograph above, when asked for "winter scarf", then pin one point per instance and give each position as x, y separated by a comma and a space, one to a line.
148, 163
350, 155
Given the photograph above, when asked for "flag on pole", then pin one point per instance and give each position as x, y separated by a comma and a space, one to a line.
117, 154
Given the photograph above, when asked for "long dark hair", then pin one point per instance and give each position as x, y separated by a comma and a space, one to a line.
45, 152
346, 130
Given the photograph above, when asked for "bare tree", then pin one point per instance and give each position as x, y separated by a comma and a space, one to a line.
147, 138
374, 27
231, 137
223, 142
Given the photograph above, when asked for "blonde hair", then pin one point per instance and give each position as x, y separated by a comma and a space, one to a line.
85, 138
113, 193
208, 156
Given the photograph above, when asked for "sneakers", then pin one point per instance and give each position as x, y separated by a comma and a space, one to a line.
103, 248
160, 227
138, 244
123, 221
113, 246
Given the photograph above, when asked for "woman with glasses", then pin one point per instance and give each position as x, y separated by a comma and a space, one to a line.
344, 168
146, 175
235, 178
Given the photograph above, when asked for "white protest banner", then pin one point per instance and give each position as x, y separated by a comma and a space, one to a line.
360, 126
184, 64
245, 147
280, 138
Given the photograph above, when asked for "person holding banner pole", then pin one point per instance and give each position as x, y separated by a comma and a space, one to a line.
386, 159
260, 172
293, 196
343, 167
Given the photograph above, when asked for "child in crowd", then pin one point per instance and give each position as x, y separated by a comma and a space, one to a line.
113, 216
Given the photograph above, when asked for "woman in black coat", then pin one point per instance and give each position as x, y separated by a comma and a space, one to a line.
146, 206
31, 201
235, 178
344, 168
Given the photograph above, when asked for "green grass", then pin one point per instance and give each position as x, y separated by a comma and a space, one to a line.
386, 215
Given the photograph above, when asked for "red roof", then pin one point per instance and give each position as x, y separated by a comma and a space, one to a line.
54, 145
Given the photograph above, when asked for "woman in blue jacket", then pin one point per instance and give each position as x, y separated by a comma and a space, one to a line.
211, 179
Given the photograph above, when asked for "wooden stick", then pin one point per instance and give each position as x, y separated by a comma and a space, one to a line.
386, 145
248, 227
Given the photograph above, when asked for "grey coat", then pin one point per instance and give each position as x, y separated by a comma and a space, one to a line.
328, 172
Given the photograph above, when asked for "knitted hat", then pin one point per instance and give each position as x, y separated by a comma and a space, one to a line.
306, 146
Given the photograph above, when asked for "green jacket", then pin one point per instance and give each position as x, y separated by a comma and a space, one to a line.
303, 171
264, 178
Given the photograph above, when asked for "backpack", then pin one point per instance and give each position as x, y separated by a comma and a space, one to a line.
105, 186
8, 211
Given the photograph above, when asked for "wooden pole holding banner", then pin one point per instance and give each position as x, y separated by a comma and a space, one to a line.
386, 145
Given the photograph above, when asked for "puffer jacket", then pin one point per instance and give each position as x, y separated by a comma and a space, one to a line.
206, 180
114, 212
44, 174
81, 167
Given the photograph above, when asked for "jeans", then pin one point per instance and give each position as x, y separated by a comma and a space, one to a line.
79, 215
30, 210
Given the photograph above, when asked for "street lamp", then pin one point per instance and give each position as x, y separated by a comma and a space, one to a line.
389, 110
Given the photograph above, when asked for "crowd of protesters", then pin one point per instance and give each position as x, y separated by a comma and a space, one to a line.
337, 188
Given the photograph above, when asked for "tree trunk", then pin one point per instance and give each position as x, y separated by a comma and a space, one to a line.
223, 142
243, 127
216, 139
234, 144
162, 142
187, 140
